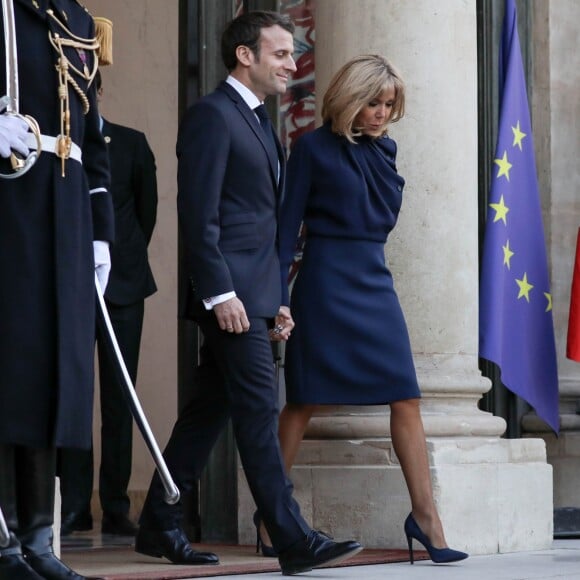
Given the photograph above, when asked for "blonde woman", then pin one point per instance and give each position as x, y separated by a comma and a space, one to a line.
350, 345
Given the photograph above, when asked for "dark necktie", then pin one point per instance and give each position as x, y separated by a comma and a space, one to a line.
266, 125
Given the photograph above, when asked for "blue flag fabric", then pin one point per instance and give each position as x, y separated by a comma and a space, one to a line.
515, 313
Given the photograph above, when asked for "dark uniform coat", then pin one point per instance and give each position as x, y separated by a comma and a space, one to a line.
47, 226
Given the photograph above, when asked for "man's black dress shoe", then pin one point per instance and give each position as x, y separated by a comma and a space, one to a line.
171, 544
76, 522
118, 525
314, 551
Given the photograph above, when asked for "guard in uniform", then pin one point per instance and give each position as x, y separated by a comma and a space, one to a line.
56, 221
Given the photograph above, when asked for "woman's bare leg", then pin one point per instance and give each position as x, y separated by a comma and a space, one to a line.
293, 421
411, 448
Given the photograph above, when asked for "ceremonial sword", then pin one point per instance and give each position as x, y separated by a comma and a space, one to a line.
10, 102
4, 534
171, 490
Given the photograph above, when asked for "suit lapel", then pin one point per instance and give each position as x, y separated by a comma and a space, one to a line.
250, 118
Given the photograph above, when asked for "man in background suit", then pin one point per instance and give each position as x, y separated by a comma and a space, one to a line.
134, 190
230, 178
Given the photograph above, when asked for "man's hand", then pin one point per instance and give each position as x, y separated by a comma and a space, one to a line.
231, 316
283, 325
13, 130
102, 262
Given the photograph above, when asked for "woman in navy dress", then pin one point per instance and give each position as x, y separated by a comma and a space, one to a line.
350, 345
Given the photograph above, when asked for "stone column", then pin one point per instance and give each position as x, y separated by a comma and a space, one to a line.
347, 476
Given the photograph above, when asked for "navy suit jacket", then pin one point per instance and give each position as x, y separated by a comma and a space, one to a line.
134, 190
228, 199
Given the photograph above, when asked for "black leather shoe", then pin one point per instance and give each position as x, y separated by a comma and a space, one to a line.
81, 521
171, 544
118, 525
314, 551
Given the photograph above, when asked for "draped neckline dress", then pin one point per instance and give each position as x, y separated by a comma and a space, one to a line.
350, 344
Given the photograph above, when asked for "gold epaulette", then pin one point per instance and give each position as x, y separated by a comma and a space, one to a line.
104, 33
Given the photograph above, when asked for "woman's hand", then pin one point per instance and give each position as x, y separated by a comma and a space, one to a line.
283, 325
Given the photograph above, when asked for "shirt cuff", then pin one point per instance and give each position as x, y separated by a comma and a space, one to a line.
209, 303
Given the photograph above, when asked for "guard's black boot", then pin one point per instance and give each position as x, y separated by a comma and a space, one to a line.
12, 564
36, 479
38, 553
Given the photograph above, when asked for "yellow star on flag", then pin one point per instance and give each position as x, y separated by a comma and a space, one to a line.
549, 299
525, 287
500, 210
504, 166
518, 136
507, 254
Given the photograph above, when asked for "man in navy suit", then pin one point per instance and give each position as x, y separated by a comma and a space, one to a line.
134, 190
230, 179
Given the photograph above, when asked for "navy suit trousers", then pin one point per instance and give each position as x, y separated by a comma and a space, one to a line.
236, 379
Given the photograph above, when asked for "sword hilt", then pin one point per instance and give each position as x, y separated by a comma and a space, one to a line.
18, 163
8, 103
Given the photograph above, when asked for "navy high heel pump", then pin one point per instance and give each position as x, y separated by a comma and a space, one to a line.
438, 555
267, 551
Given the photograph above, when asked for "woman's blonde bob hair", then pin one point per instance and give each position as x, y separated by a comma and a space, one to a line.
354, 86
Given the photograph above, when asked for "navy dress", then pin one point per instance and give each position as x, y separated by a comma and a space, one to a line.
350, 345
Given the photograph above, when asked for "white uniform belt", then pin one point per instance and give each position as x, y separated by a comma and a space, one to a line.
49, 146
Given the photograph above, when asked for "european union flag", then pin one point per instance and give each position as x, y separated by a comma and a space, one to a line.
515, 313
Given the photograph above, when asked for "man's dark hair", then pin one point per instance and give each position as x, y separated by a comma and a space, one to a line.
245, 31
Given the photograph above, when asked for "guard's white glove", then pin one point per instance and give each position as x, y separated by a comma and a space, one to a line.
102, 262
13, 132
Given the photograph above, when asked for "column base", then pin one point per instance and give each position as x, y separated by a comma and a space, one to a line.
493, 495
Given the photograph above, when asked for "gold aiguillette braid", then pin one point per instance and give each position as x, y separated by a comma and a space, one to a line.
65, 79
